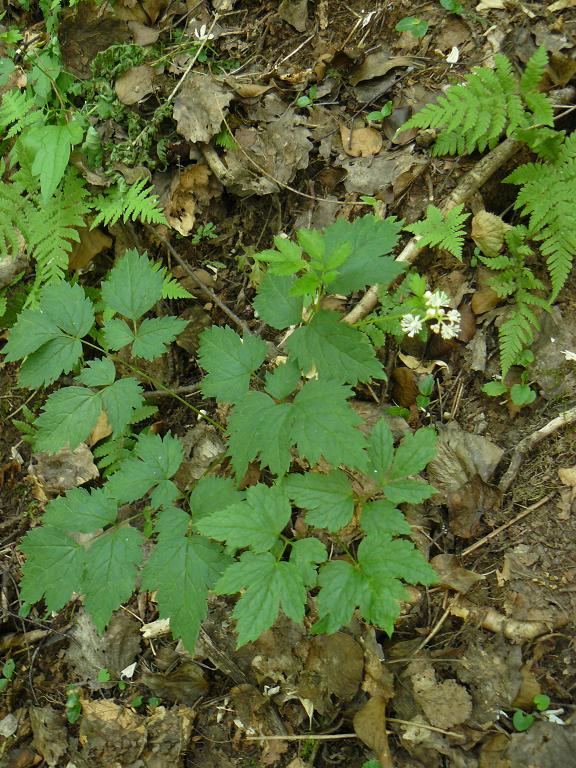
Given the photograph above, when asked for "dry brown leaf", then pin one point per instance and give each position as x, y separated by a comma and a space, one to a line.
483, 300
360, 142
55, 473
195, 184
567, 475
453, 575
50, 736
404, 387
488, 232
91, 243
295, 13
378, 64
134, 84
370, 727
247, 90
101, 430
467, 504
142, 34
200, 107
491, 5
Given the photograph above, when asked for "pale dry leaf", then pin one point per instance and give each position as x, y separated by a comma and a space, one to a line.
101, 430
49, 732
378, 64
493, 5
370, 727
453, 575
360, 142
134, 84
295, 13
142, 34
55, 473
488, 231
91, 243
559, 5
200, 107
567, 476
483, 300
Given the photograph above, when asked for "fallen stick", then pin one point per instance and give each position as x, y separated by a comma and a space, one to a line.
470, 183
567, 417
514, 630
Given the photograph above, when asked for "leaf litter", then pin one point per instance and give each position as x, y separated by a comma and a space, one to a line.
436, 691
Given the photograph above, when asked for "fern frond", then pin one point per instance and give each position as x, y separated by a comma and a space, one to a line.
18, 110
515, 334
445, 232
136, 201
15, 213
534, 72
547, 195
172, 289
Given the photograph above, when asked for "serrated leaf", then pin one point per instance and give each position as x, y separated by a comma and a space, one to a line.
133, 285
68, 307
212, 494
335, 350
307, 554
380, 451
371, 239
312, 241
117, 333
156, 460
328, 498
414, 453
164, 494
381, 518
229, 361
45, 365
286, 260
269, 585
120, 401
408, 491
321, 408
256, 522
394, 559
260, 428
283, 380
97, 373
341, 588
154, 334
111, 576
50, 147
69, 415
80, 511
182, 569
274, 303
53, 568
31, 330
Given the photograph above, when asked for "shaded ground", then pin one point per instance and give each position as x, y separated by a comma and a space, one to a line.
500, 627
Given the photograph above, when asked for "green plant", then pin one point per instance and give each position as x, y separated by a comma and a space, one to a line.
223, 537
474, 115
453, 6
8, 669
440, 230
73, 704
522, 721
204, 232
417, 27
308, 98
380, 114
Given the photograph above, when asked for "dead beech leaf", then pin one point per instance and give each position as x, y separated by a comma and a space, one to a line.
295, 13
483, 300
404, 387
378, 64
467, 504
488, 232
101, 430
452, 575
370, 727
91, 243
50, 737
195, 184
199, 108
247, 90
360, 142
444, 704
134, 84
494, 5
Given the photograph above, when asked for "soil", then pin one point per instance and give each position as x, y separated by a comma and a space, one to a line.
499, 629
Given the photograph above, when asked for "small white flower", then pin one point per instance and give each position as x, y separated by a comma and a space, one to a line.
552, 716
436, 299
569, 355
435, 328
453, 316
449, 331
201, 34
430, 312
411, 324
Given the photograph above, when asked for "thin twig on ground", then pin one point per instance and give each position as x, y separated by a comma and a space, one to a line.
470, 183
525, 445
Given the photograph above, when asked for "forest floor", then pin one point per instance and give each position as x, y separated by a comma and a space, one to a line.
293, 78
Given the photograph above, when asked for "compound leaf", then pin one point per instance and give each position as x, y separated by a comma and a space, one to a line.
80, 511
53, 568
45, 365
255, 523
381, 518
31, 330
211, 494
380, 451
97, 373
283, 379
274, 303
335, 350
68, 307
229, 361
67, 418
110, 578
269, 585
414, 453
120, 400
154, 334
329, 498
408, 491
117, 333
133, 285
306, 554
341, 587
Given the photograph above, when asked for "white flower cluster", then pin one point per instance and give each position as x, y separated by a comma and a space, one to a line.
446, 322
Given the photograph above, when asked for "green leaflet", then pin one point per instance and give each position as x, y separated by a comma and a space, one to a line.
154, 334
256, 522
329, 498
80, 510
335, 350
97, 373
445, 231
269, 585
68, 417
274, 303
212, 494
120, 400
229, 361
133, 286
49, 146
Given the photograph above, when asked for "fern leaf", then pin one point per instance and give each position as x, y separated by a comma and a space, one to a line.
534, 72
515, 334
172, 289
18, 111
128, 202
444, 232
15, 214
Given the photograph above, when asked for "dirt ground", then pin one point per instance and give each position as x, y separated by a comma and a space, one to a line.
499, 627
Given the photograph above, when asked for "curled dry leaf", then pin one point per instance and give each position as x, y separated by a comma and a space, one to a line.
91, 243
370, 727
142, 34
488, 232
55, 473
134, 84
199, 108
444, 704
360, 142
453, 575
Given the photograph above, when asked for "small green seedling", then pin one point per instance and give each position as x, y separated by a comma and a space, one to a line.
522, 721
307, 99
204, 232
7, 672
453, 6
73, 705
371, 764
104, 675
417, 27
380, 114
425, 389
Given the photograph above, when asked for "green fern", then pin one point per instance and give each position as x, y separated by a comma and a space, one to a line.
442, 231
473, 116
225, 140
17, 112
128, 202
547, 196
